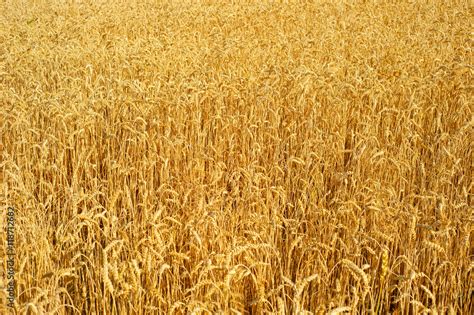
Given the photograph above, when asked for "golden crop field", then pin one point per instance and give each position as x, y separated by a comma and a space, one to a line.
218, 157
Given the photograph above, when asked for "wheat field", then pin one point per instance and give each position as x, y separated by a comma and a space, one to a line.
247, 157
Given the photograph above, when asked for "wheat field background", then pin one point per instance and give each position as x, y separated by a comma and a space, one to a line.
209, 157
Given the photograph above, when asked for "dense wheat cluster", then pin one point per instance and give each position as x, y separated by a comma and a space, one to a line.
262, 157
